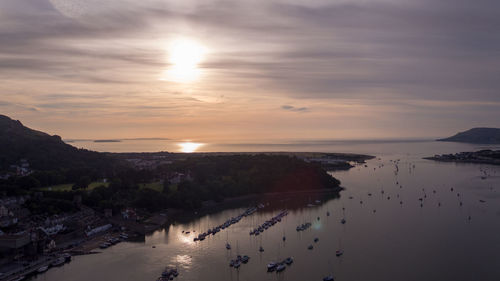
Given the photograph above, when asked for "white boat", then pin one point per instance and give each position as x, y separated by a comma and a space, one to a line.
280, 267
228, 246
271, 266
339, 253
42, 269
67, 257
58, 261
261, 249
328, 278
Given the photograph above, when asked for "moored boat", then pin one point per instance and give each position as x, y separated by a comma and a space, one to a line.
328, 278
280, 267
58, 261
42, 269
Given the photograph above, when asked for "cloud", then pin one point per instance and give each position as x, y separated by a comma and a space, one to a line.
294, 109
75, 58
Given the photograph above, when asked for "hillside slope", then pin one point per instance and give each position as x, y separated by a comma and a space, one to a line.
477, 135
43, 151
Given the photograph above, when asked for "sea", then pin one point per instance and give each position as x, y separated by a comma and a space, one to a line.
406, 219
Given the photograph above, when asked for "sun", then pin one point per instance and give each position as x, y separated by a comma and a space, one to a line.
184, 56
189, 147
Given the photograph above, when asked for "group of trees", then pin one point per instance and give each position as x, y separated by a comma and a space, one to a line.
210, 178
219, 177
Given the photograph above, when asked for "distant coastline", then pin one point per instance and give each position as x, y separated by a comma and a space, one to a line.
491, 157
107, 141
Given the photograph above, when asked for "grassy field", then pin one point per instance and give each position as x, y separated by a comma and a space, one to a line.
68, 186
158, 186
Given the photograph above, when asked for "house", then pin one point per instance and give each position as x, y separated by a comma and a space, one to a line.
129, 214
108, 213
180, 177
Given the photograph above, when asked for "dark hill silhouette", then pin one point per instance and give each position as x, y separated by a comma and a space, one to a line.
477, 135
43, 151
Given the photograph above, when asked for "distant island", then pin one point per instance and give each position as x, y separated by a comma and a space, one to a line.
476, 135
107, 140
480, 157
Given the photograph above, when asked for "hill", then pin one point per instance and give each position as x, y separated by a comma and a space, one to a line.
42, 151
477, 135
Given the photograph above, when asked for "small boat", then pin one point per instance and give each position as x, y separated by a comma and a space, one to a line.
328, 278
245, 259
67, 257
237, 264
228, 246
318, 218
327, 214
310, 247
231, 263
280, 267
271, 266
42, 269
284, 238
316, 240
289, 260
58, 261
339, 253
482, 201
343, 221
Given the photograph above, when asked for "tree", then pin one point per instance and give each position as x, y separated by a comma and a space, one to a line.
82, 183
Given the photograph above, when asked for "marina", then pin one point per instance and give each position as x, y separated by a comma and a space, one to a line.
451, 211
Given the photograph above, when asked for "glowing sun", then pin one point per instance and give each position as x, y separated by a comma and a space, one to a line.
188, 147
184, 55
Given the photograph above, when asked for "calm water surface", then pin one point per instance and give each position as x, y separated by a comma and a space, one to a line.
396, 242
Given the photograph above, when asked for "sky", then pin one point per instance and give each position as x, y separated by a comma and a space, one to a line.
257, 69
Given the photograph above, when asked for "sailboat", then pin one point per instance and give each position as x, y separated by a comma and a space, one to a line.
228, 246
339, 252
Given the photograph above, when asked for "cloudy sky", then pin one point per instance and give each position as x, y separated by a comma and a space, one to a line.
265, 69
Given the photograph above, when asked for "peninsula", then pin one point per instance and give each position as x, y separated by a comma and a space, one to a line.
476, 135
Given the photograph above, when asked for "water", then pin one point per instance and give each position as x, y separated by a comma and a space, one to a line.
423, 147
397, 242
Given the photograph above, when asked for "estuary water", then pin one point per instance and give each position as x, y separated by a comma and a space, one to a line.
404, 221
